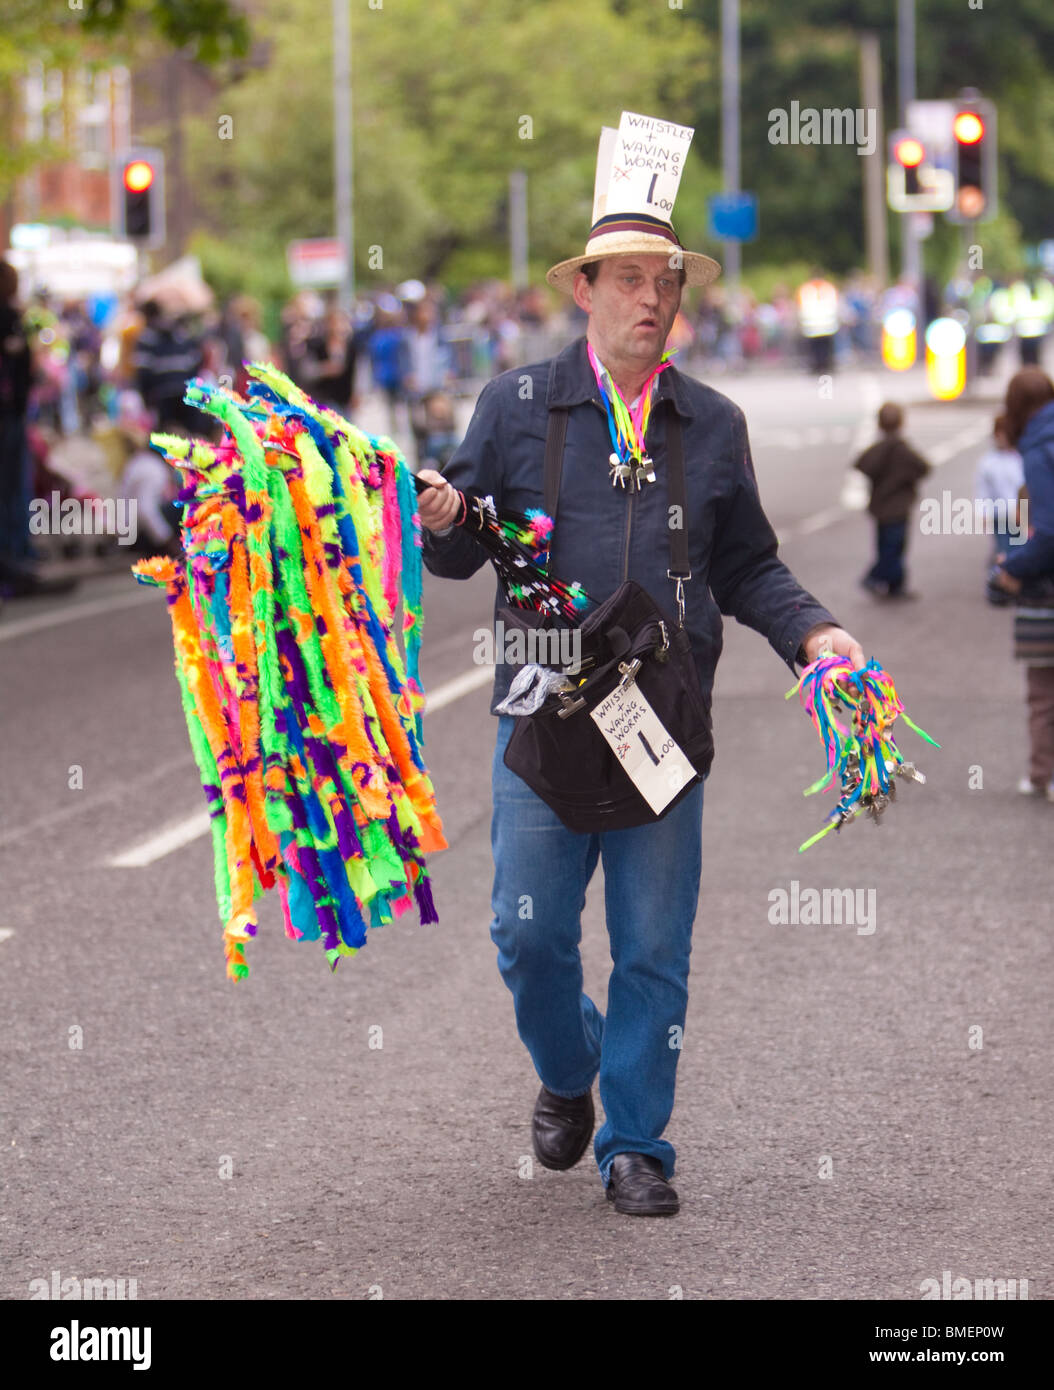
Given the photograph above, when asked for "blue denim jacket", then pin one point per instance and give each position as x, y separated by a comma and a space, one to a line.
604, 535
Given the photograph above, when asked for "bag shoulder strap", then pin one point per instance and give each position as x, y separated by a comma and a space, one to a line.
555, 434
679, 566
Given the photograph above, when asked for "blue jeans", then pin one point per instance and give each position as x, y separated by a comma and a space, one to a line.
651, 888
888, 569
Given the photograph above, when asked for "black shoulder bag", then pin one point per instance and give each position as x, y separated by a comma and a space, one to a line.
559, 751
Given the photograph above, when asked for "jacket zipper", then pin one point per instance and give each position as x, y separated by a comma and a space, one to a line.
629, 527
629, 512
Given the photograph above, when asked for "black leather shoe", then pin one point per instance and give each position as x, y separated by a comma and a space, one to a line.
637, 1187
561, 1128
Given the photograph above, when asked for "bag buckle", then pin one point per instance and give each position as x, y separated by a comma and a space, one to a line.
629, 671
680, 580
568, 706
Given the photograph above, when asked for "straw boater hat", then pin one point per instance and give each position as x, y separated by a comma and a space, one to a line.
639, 167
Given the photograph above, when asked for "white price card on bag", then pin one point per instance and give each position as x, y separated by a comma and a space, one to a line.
643, 745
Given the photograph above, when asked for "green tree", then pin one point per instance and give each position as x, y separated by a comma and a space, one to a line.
811, 195
61, 33
447, 100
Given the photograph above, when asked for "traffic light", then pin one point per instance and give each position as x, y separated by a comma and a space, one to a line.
909, 154
139, 197
913, 182
138, 181
974, 139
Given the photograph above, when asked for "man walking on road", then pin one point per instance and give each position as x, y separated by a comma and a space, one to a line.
629, 284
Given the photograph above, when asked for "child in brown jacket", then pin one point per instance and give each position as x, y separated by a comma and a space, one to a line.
894, 469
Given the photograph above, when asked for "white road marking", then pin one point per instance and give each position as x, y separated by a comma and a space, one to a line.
47, 824
948, 448
6, 933
164, 842
774, 439
818, 521
21, 627
461, 685
855, 491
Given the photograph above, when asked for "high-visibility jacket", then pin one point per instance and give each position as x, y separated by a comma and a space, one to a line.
818, 309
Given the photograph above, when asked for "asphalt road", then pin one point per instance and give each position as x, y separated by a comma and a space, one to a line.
840, 1133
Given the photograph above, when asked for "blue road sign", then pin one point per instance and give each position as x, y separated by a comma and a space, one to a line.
733, 216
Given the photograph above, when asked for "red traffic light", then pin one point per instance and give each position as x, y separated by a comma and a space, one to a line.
138, 176
909, 152
968, 127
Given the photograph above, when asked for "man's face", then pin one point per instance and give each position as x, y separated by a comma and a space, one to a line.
631, 306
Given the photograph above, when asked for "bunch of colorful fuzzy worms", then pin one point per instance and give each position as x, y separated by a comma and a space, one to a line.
300, 536
518, 546
860, 748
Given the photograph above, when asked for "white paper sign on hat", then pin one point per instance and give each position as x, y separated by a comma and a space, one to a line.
647, 163
639, 168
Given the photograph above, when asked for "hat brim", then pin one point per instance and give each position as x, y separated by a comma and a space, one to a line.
699, 269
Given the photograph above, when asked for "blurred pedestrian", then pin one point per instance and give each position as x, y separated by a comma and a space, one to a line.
429, 366
247, 319
151, 483
166, 354
15, 377
389, 355
327, 367
299, 318
441, 435
819, 318
1027, 572
895, 470
1000, 478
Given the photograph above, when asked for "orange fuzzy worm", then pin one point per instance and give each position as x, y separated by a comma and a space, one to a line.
239, 860
248, 710
335, 646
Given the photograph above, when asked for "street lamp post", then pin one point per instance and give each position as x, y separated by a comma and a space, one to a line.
342, 157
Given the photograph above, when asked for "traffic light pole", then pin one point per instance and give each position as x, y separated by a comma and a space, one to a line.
342, 157
730, 126
875, 228
911, 244
971, 322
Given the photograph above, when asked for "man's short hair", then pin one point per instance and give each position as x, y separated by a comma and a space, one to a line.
591, 270
890, 417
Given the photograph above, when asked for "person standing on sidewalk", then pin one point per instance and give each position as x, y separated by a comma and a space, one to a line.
998, 482
166, 354
16, 369
895, 470
629, 284
1027, 572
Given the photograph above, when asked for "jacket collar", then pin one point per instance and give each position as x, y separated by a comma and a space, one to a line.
571, 381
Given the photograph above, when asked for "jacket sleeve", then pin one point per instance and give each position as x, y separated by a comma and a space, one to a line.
747, 579
867, 463
474, 467
919, 464
1036, 558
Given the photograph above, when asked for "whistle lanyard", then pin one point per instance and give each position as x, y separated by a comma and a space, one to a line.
627, 426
